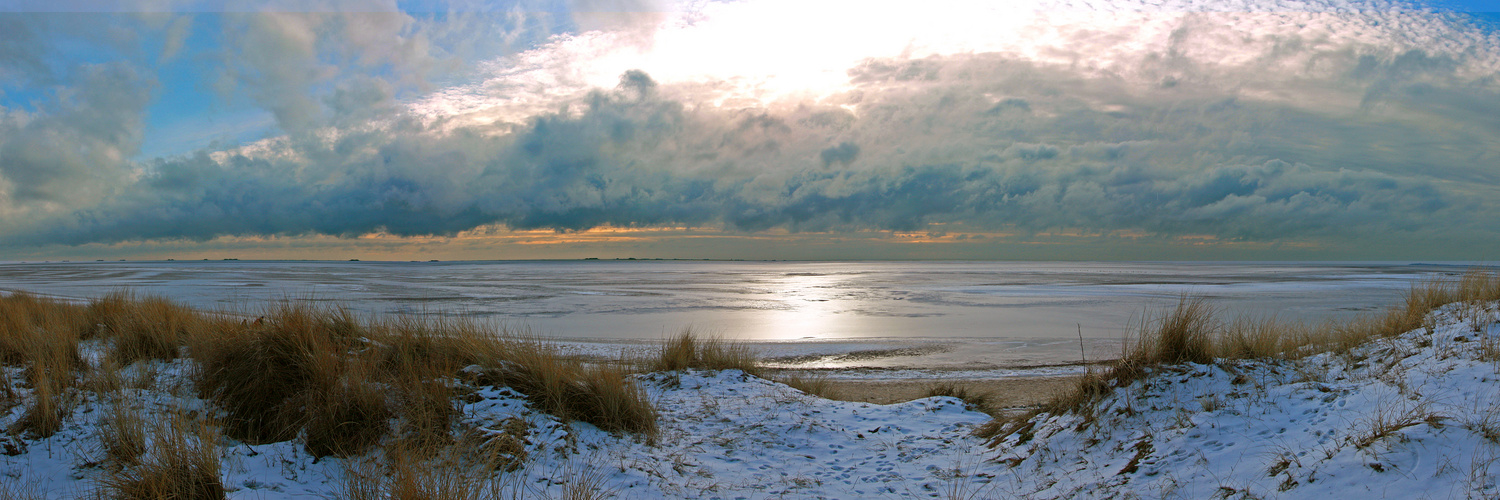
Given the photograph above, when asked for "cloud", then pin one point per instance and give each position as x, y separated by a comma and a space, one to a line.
288, 62
177, 31
844, 153
1241, 126
20, 57
78, 87
628, 160
72, 152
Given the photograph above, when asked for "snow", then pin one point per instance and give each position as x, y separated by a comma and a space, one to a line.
1415, 416
1398, 418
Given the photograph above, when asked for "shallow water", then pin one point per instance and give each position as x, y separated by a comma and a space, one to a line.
945, 315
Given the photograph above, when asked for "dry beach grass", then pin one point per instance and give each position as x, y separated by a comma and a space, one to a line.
321, 376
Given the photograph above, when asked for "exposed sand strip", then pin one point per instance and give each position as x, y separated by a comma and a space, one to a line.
1003, 393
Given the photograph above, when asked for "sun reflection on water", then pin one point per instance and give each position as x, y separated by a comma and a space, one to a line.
810, 307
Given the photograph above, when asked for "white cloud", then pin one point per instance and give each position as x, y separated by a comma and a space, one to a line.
756, 54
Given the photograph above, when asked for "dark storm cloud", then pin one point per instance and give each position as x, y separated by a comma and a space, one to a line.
628, 158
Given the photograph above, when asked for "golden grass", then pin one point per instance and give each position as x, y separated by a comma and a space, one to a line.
604, 396
105, 315
427, 412
1489, 348
306, 369
430, 475
1191, 333
455, 473
1390, 418
1261, 338
344, 384
689, 350
503, 451
32, 328
424, 346
40, 335
261, 375
182, 462
414, 471
151, 328
122, 434
346, 416
49, 405
1186, 334
18, 489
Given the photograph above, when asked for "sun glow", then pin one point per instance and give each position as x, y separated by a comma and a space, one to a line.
744, 54
810, 307
788, 52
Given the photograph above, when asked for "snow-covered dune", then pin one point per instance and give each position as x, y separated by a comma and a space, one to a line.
1415, 416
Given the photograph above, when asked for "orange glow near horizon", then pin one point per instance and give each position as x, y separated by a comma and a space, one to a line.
500, 243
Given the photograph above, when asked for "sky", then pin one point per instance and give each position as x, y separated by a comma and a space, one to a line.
753, 129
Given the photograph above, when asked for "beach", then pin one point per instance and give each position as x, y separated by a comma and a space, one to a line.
1003, 393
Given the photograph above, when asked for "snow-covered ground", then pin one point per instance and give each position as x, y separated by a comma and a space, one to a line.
1416, 416
723, 434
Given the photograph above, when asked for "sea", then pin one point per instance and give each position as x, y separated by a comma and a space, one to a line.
897, 319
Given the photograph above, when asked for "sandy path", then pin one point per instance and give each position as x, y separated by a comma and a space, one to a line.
1004, 393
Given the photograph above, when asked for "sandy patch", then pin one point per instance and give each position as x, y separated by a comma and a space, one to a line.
1004, 393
